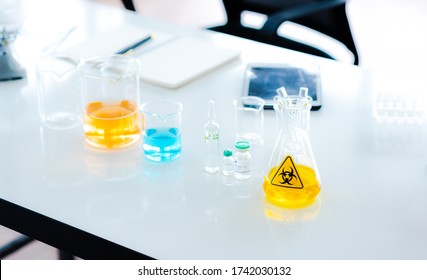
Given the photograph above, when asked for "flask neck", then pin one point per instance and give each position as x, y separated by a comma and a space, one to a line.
294, 113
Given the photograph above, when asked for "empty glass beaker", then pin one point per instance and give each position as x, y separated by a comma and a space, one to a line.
110, 87
59, 92
249, 119
162, 130
292, 179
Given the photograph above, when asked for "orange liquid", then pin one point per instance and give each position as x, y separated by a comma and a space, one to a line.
293, 197
112, 125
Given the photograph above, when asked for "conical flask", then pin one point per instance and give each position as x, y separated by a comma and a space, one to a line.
292, 180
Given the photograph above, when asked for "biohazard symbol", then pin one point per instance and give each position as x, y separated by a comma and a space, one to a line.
287, 175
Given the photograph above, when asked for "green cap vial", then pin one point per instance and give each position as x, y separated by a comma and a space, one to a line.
242, 158
227, 153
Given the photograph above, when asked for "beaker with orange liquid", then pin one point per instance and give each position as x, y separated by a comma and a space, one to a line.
292, 180
110, 88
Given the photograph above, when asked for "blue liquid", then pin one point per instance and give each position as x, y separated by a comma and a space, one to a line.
162, 144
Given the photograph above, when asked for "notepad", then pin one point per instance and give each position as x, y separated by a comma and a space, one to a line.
114, 40
167, 60
182, 60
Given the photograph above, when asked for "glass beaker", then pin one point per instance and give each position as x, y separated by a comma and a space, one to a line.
59, 93
249, 119
162, 130
293, 179
110, 87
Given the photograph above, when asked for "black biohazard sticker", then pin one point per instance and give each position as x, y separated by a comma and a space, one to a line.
287, 175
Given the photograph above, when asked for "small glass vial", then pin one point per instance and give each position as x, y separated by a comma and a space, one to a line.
212, 141
228, 163
242, 158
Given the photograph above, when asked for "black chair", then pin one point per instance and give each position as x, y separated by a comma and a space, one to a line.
14, 245
325, 16
129, 5
20, 242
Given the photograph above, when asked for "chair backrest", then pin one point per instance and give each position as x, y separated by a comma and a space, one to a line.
129, 5
325, 16
234, 8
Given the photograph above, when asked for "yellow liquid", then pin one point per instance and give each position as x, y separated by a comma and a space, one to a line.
293, 197
112, 125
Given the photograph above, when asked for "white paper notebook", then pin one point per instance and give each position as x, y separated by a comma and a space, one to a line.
166, 60
114, 40
182, 60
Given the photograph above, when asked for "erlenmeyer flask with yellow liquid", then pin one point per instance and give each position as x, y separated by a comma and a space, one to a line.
292, 180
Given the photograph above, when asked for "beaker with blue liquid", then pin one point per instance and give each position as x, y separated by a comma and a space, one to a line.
162, 130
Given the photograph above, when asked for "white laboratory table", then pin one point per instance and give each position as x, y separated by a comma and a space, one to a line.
118, 205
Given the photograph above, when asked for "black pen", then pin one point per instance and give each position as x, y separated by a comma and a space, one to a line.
137, 44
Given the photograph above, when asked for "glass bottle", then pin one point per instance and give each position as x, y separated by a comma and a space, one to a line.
212, 140
292, 180
242, 159
10, 66
228, 163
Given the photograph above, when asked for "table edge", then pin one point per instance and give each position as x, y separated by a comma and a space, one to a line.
62, 236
